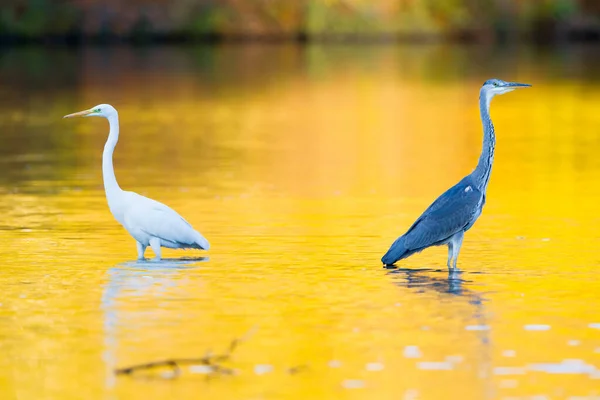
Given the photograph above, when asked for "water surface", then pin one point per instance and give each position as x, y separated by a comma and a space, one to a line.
301, 165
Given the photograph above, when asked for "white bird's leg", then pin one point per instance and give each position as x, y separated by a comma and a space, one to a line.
140, 249
155, 244
457, 239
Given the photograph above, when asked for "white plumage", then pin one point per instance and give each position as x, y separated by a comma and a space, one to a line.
149, 222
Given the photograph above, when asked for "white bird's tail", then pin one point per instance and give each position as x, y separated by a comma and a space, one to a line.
202, 242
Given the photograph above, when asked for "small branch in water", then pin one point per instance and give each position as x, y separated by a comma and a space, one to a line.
296, 369
213, 362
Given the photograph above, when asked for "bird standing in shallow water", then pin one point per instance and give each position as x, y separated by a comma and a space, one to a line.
455, 211
149, 222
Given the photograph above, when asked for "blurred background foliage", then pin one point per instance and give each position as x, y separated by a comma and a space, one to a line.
147, 20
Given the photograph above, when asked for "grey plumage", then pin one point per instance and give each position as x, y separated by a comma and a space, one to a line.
453, 213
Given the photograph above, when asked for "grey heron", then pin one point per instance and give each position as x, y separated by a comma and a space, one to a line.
447, 219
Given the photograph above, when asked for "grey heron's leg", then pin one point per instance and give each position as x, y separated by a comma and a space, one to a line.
450, 253
140, 250
155, 244
457, 240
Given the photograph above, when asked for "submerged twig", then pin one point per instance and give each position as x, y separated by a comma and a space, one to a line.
296, 369
211, 360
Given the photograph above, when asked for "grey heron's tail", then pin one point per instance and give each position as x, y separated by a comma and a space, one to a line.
396, 252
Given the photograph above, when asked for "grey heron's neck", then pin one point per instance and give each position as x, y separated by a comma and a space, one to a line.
482, 172
111, 186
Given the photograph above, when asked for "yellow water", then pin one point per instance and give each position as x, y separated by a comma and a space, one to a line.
301, 166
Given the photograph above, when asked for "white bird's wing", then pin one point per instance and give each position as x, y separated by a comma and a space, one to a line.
158, 220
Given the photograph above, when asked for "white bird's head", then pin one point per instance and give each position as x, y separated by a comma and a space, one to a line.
493, 87
101, 110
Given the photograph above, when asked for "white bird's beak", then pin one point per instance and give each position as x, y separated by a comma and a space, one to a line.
79, 114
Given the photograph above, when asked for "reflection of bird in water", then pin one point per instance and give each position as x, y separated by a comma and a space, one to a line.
146, 285
420, 280
149, 222
455, 211
455, 289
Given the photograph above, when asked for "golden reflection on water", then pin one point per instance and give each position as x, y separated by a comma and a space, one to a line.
301, 166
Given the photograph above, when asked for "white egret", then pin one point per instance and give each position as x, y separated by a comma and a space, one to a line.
149, 222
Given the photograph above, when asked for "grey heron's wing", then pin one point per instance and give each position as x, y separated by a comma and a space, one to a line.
449, 213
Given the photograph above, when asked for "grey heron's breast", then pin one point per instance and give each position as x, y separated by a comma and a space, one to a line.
476, 212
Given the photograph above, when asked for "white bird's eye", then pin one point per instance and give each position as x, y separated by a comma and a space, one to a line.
97, 110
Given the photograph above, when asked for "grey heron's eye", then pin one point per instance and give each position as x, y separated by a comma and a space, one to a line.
496, 84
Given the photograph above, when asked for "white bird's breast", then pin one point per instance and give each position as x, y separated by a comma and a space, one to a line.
128, 209
137, 232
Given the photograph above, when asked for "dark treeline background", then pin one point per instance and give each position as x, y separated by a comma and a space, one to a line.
150, 20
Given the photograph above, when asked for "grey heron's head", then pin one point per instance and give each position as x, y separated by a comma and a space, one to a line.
492, 87
101, 110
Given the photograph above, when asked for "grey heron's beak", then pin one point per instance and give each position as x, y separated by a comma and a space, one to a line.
79, 114
517, 85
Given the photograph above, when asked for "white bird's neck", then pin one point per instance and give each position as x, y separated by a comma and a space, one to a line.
111, 187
